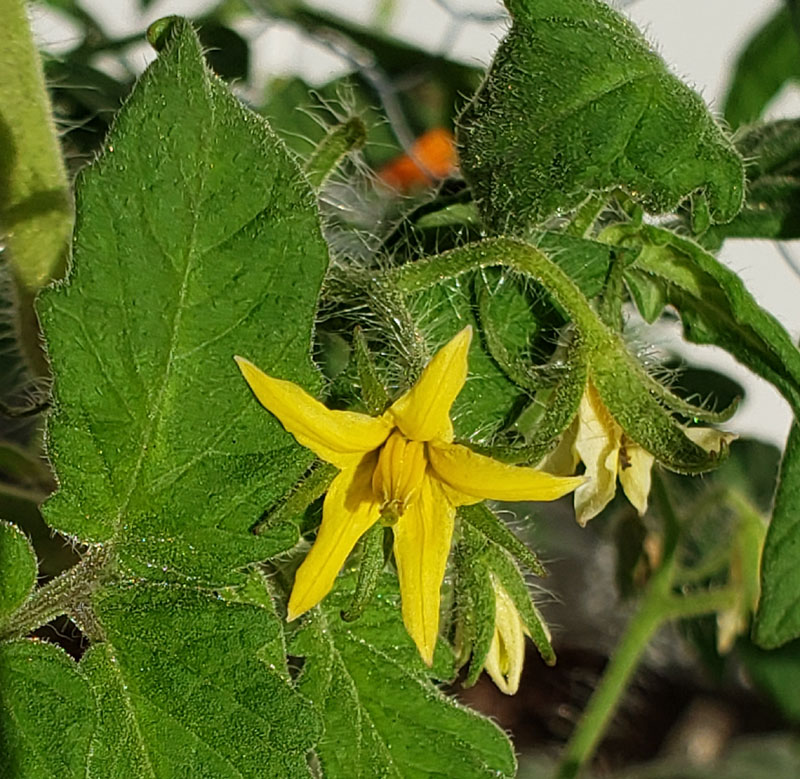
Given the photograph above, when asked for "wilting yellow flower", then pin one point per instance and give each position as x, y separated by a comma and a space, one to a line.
597, 439
507, 651
403, 468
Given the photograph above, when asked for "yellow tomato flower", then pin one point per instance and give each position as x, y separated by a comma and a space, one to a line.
403, 468
597, 439
507, 651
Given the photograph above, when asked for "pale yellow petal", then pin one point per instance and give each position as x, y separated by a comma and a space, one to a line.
564, 459
423, 413
348, 512
598, 442
475, 477
335, 436
635, 475
422, 539
709, 439
507, 651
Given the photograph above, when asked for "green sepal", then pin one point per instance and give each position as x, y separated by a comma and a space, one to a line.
474, 603
619, 380
312, 486
483, 519
538, 138
343, 138
502, 566
370, 567
17, 568
373, 391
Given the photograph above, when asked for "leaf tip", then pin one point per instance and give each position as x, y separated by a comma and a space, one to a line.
161, 32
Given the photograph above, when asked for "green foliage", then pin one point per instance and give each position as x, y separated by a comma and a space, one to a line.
35, 208
198, 237
777, 672
157, 442
539, 137
178, 682
715, 306
353, 670
18, 564
778, 616
770, 59
772, 207
47, 713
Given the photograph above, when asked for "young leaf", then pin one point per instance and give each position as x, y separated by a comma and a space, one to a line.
716, 308
47, 713
382, 715
17, 568
770, 59
539, 137
198, 239
778, 616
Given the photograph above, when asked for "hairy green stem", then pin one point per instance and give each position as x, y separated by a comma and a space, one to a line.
659, 605
606, 697
66, 594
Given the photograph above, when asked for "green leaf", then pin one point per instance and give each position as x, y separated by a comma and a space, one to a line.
772, 207
647, 292
489, 399
47, 714
778, 616
17, 568
179, 684
776, 672
382, 714
769, 59
198, 239
716, 307
35, 208
577, 102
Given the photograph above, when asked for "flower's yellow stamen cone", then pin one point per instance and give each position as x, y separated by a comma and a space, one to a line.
421, 548
334, 436
423, 413
475, 477
348, 512
398, 477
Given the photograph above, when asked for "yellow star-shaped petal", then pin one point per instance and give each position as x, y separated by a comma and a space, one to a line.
403, 468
